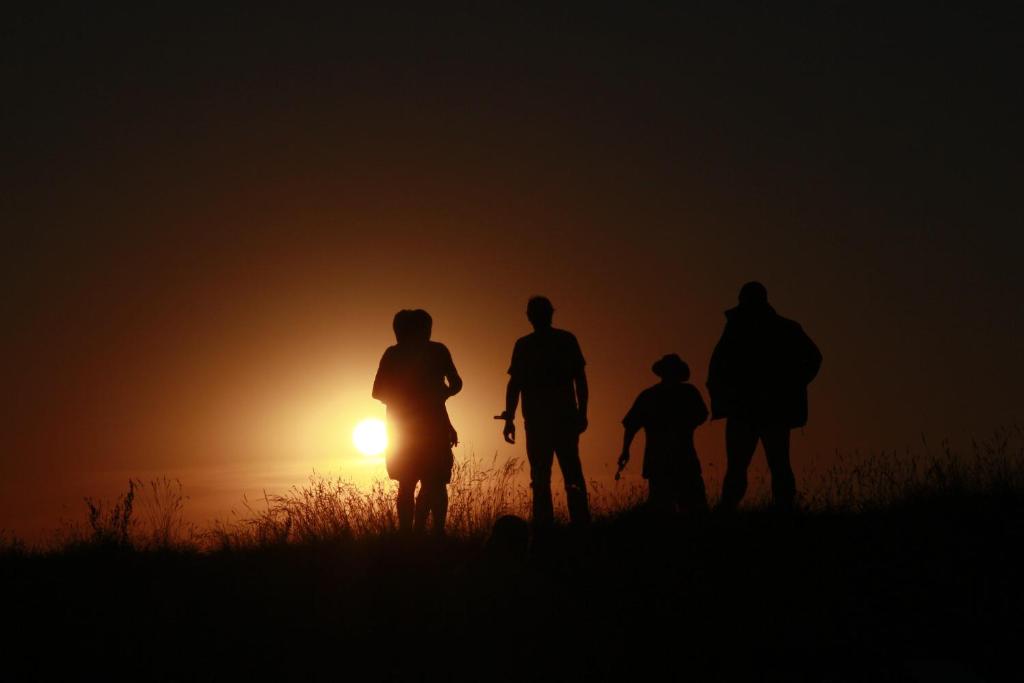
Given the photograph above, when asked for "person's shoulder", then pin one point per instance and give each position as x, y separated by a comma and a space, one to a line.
790, 328
388, 357
526, 340
522, 351
650, 392
787, 323
437, 347
564, 336
691, 389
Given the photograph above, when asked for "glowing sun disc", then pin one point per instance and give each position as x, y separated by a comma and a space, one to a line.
370, 436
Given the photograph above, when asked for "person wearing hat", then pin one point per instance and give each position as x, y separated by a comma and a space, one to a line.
669, 412
758, 380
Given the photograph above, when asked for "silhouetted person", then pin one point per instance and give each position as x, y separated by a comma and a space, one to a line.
415, 378
547, 369
669, 412
758, 380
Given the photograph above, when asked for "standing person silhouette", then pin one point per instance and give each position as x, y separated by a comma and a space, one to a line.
415, 378
547, 369
669, 412
758, 380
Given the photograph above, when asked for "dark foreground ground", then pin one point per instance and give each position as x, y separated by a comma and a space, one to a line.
929, 591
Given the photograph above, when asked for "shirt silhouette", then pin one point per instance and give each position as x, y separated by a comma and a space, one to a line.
545, 363
669, 412
547, 370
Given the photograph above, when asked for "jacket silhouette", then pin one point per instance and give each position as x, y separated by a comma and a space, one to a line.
758, 380
761, 367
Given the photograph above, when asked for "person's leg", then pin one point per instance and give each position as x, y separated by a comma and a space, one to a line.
567, 448
438, 505
424, 503
776, 451
659, 496
540, 452
693, 497
406, 503
740, 442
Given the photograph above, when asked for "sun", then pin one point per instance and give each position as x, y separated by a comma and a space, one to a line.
370, 436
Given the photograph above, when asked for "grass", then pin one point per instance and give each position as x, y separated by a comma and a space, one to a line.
993, 466
897, 564
150, 516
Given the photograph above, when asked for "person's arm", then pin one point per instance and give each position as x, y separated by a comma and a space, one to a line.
719, 382
627, 441
582, 397
380, 380
512, 392
454, 383
632, 424
580, 381
453, 436
810, 358
451, 376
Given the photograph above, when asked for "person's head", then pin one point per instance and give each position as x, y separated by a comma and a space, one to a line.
423, 324
412, 326
671, 368
753, 295
540, 311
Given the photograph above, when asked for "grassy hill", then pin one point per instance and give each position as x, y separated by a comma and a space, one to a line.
915, 579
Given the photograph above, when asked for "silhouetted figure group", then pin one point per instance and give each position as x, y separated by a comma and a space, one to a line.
757, 380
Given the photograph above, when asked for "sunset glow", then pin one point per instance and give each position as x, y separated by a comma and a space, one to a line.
370, 436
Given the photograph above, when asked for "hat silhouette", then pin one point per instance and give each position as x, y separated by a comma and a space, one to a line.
671, 366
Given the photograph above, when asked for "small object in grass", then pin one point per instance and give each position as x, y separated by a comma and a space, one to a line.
510, 538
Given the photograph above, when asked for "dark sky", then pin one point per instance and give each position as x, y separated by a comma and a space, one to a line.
211, 215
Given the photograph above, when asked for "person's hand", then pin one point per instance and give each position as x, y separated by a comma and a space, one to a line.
581, 423
509, 431
623, 459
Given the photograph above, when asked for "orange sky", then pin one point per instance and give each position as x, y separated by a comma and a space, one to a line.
211, 221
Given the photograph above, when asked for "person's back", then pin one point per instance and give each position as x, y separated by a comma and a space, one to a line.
411, 378
761, 367
415, 378
547, 370
669, 413
546, 362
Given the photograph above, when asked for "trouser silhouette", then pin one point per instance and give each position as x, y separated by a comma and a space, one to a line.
741, 437
413, 512
545, 442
